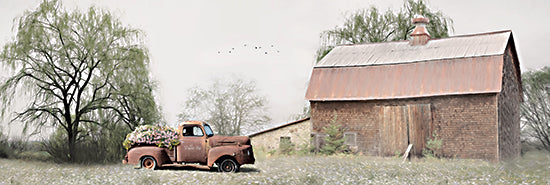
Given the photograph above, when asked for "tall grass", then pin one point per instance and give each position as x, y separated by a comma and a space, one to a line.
533, 168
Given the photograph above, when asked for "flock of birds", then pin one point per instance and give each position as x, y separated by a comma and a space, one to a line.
270, 49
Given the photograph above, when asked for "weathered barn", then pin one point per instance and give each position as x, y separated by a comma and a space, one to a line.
296, 132
467, 89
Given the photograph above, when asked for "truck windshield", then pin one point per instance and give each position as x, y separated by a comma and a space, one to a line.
208, 130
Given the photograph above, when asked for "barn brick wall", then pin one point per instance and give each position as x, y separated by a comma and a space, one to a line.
299, 133
354, 116
466, 123
509, 100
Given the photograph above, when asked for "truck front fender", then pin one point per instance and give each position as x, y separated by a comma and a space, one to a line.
242, 153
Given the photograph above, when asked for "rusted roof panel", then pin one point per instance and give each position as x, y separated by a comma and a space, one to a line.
486, 44
470, 75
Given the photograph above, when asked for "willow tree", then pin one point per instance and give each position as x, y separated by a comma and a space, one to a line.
535, 110
74, 66
371, 25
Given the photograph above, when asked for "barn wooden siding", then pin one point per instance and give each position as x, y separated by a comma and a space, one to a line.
404, 125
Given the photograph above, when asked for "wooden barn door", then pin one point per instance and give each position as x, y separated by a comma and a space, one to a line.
393, 130
404, 125
420, 121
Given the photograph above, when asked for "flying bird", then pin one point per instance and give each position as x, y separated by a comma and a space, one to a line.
268, 49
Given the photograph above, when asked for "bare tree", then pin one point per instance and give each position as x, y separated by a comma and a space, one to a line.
73, 65
535, 110
231, 107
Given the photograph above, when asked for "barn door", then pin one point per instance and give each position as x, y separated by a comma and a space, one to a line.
393, 130
420, 121
404, 125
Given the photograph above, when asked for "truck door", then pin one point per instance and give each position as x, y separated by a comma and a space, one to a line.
192, 147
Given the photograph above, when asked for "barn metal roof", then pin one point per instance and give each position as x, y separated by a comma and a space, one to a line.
401, 52
468, 64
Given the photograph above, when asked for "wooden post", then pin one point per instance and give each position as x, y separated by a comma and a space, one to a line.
406, 154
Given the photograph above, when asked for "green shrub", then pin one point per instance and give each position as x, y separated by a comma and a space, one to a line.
5, 152
397, 155
20, 148
334, 141
11, 148
56, 145
18, 144
286, 147
35, 155
306, 148
105, 142
433, 146
272, 152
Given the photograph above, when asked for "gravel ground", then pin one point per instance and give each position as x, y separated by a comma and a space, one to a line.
534, 169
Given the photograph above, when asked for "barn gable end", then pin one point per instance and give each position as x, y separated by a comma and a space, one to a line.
509, 100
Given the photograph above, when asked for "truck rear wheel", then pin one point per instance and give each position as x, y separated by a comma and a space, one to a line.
228, 165
149, 163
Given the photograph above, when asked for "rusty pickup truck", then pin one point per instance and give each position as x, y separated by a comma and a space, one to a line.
198, 145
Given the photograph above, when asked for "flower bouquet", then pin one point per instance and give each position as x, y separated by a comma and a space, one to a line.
161, 136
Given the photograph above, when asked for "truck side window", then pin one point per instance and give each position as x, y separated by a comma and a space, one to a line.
197, 131
185, 131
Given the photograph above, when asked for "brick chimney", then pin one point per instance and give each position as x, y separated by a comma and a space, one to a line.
420, 35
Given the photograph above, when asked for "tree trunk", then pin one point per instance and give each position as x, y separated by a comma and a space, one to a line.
71, 142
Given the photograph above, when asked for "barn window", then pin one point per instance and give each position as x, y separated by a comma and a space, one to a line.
284, 140
350, 138
285, 145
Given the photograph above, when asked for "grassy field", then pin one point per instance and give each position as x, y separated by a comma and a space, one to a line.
533, 168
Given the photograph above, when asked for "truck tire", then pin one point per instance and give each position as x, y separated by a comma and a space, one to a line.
228, 165
149, 162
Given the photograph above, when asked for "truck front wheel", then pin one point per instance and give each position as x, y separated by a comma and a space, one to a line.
228, 165
149, 163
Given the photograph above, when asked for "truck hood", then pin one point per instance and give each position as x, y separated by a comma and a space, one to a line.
228, 140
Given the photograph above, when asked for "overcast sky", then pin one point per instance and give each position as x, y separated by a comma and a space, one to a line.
189, 41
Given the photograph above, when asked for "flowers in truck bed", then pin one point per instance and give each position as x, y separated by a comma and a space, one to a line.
159, 135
